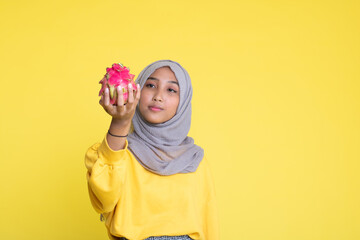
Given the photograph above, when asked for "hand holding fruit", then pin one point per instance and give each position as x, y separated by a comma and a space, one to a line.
117, 75
121, 111
119, 94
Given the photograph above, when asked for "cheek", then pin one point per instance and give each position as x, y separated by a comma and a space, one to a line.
143, 97
142, 103
175, 104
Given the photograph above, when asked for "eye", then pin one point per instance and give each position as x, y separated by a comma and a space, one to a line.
150, 85
172, 90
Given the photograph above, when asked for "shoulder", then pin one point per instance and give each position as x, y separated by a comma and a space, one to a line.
205, 165
205, 175
205, 169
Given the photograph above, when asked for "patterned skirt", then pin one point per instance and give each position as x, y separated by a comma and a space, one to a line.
182, 237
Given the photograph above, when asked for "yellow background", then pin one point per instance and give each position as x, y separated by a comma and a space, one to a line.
276, 106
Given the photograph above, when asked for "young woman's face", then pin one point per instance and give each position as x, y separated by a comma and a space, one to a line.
160, 96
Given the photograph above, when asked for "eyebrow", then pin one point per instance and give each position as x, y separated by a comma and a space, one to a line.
152, 78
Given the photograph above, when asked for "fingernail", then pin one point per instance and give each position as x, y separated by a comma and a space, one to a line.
130, 86
106, 90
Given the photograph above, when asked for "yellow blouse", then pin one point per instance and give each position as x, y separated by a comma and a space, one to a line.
137, 203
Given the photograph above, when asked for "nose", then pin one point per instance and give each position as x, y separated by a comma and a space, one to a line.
158, 97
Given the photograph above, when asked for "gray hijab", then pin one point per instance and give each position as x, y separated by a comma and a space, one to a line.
165, 148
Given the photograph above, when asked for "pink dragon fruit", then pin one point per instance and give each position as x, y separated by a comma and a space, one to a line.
118, 75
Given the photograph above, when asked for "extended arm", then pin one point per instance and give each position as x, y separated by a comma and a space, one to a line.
105, 175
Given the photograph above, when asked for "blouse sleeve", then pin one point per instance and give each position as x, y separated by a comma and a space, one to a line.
105, 175
211, 226
211, 221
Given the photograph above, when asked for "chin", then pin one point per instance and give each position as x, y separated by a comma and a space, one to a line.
153, 120
156, 120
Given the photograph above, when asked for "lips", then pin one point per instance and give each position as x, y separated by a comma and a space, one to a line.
155, 108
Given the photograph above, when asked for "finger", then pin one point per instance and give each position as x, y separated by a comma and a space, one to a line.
107, 97
101, 100
109, 108
138, 92
120, 99
130, 94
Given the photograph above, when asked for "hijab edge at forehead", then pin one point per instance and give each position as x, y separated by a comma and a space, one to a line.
181, 75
